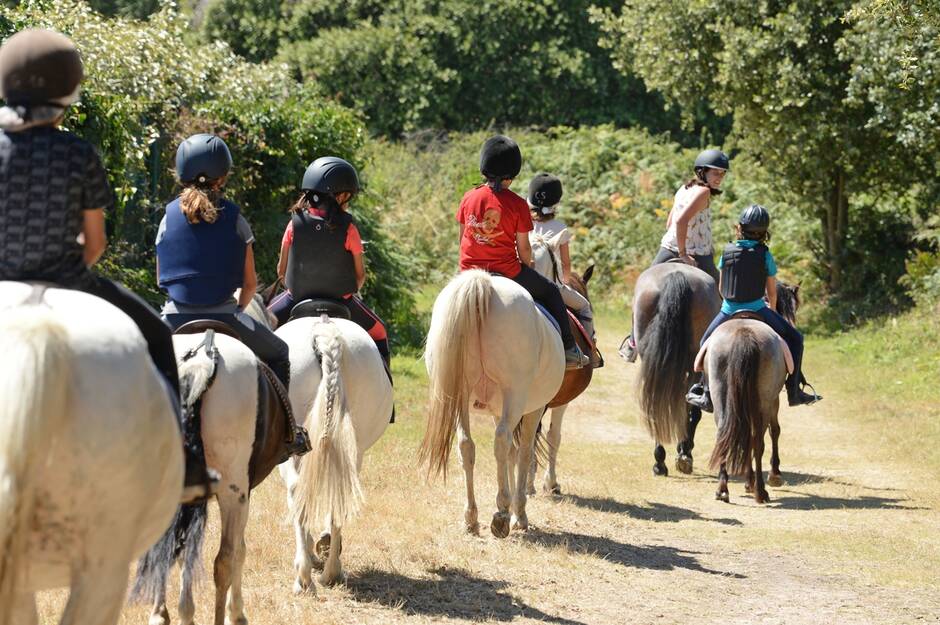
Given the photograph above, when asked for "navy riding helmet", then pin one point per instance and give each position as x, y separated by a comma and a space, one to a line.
201, 158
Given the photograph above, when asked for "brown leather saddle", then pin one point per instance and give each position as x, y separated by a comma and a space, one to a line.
271, 425
747, 314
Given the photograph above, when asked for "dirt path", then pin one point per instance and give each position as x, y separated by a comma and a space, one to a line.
851, 538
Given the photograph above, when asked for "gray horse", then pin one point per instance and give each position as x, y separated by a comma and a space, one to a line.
672, 306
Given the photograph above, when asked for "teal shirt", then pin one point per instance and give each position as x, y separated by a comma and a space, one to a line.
729, 308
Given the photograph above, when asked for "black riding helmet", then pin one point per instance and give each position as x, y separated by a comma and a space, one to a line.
201, 158
40, 67
754, 220
330, 175
544, 192
500, 158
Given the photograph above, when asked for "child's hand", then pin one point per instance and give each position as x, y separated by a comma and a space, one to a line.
688, 260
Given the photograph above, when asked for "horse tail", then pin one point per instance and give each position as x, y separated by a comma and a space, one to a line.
34, 381
184, 537
665, 361
739, 405
460, 322
328, 483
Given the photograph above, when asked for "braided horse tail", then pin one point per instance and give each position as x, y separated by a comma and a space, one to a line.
328, 488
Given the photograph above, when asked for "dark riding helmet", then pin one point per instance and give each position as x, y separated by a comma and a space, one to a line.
715, 159
544, 191
331, 175
41, 67
202, 157
500, 158
754, 220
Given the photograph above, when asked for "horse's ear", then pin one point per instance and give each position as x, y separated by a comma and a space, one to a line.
796, 289
587, 274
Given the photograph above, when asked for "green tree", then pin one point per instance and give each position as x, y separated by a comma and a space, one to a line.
813, 95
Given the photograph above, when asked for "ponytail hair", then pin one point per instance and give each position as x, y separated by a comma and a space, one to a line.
322, 201
199, 201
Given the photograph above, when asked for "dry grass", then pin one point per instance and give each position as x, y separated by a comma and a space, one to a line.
853, 537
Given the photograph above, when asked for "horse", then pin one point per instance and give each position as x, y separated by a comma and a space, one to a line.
544, 257
91, 457
747, 364
224, 384
339, 379
488, 345
673, 304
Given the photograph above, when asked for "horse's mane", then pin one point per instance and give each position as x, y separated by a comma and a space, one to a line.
788, 301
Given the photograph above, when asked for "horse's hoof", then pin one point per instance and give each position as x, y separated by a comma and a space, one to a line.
775, 480
322, 547
530, 491
332, 580
553, 490
684, 464
160, 618
304, 588
660, 469
241, 620
472, 528
500, 525
762, 497
722, 496
520, 523
748, 488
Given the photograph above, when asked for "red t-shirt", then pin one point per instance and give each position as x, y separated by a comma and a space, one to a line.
353, 239
491, 221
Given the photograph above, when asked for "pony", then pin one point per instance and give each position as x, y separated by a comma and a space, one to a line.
673, 305
91, 456
330, 358
747, 364
242, 442
489, 346
544, 257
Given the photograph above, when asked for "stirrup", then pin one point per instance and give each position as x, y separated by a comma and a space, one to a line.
627, 350
701, 400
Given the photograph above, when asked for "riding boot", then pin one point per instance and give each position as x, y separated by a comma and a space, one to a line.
627, 349
386, 355
796, 396
699, 396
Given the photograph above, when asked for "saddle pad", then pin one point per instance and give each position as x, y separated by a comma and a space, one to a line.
700, 357
548, 316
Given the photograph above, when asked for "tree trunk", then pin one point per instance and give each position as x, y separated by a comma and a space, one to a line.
835, 228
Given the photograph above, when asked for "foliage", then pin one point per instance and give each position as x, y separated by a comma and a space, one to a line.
813, 96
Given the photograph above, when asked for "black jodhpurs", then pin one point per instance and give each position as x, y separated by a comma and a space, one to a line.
547, 294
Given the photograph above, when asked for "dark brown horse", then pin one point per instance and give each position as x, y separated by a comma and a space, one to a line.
746, 363
672, 306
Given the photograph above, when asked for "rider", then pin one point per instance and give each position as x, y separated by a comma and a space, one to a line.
688, 228
494, 235
328, 258
545, 191
204, 253
54, 193
747, 276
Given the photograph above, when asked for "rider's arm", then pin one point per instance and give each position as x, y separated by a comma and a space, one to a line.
772, 292
94, 236
524, 248
565, 261
250, 279
685, 215
282, 259
360, 270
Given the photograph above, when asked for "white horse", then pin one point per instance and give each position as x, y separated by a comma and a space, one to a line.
490, 346
229, 415
91, 458
338, 381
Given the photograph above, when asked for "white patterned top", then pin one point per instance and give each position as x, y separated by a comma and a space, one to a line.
698, 238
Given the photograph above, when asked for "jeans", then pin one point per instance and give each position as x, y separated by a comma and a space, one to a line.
705, 262
265, 344
546, 293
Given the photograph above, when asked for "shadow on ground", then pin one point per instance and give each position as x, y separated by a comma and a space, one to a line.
804, 501
653, 557
454, 593
651, 511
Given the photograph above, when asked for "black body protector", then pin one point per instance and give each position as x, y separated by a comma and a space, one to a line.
743, 272
318, 264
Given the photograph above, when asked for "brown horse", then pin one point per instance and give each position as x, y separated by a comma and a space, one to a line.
746, 363
672, 306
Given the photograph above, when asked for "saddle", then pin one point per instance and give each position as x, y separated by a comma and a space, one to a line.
274, 409
743, 314
318, 306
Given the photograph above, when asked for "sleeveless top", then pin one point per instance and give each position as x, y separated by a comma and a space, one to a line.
698, 238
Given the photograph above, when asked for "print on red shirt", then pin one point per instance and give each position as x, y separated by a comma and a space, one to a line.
491, 222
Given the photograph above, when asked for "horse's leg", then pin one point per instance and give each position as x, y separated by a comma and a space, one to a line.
24, 609
303, 542
550, 483
757, 444
659, 454
159, 615
468, 455
533, 471
774, 479
722, 493
233, 513
502, 444
332, 568
187, 607
526, 448
684, 460
97, 593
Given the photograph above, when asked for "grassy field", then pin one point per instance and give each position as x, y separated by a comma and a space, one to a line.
852, 537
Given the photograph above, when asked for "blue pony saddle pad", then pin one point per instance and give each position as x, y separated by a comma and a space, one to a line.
548, 316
